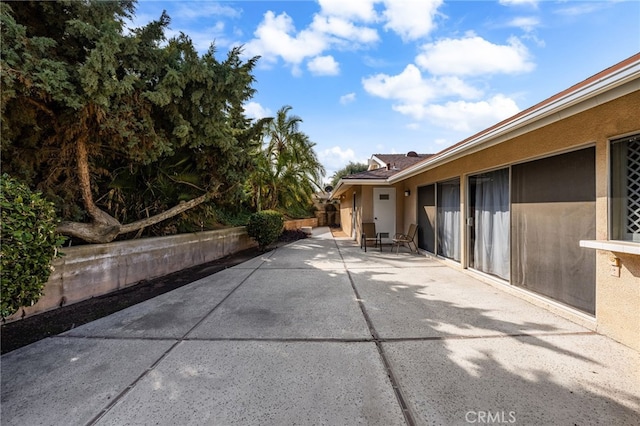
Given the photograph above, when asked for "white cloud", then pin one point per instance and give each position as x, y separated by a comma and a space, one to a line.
277, 38
203, 39
409, 87
581, 8
194, 10
417, 96
255, 110
533, 3
411, 19
474, 55
526, 23
274, 39
323, 65
335, 158
348, 98
140, 19
343, 29
452, 85
361, 10
464, 116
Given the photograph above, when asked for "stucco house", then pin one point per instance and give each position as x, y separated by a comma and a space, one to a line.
545, 204
360, 207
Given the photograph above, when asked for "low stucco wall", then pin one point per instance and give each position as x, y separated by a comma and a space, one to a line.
93, 270
292, 225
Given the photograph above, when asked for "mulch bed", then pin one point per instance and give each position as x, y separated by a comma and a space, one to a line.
23, 332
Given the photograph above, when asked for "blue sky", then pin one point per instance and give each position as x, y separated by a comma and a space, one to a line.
394, 76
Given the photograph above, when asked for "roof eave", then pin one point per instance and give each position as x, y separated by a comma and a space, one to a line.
547, 108
344, 185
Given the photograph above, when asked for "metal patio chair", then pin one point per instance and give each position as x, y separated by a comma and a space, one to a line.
369, 234
407, 239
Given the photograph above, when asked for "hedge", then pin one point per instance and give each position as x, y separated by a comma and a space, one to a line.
29, 244
265, 227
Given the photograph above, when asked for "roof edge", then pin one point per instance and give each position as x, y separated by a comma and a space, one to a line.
608, 79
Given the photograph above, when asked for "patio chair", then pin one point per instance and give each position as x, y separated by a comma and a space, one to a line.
369, 234
405, 239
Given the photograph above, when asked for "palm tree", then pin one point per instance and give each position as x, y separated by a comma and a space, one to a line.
288, 171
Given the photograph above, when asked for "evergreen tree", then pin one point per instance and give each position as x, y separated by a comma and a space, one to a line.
122, 129
349, 169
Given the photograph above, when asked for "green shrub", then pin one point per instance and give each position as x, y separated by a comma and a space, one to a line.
265, 227
29, 243
235, 217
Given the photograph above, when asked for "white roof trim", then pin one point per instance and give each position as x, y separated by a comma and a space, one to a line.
371, 181
376, 160
344, 185
626, 78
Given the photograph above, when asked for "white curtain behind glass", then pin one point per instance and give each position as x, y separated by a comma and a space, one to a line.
491, 248
449, 220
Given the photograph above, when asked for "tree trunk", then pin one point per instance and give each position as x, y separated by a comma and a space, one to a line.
104, 228
98, 216
97, 232
183, 206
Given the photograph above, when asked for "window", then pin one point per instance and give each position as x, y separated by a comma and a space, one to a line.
625, 189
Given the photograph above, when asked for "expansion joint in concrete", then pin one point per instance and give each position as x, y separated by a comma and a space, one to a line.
408, 416
128, 389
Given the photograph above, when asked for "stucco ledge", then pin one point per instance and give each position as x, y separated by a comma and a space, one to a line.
627, 247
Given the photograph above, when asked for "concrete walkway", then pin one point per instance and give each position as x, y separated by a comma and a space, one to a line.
319, 332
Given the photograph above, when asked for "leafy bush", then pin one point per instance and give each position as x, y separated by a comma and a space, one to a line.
300, 212
236, 217
29, 243
265, 227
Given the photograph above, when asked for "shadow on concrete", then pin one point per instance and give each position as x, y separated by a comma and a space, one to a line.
504, 371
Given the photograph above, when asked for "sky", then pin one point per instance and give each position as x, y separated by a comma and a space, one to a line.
387, 77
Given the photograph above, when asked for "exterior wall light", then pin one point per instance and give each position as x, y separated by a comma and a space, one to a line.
407, 192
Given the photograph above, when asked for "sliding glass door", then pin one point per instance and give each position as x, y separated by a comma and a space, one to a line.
427, 218
449, 219
489, 223
439, 219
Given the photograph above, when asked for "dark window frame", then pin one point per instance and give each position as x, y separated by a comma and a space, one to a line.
624, 187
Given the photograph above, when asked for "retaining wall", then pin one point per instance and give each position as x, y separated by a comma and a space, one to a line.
292, 225
93, 270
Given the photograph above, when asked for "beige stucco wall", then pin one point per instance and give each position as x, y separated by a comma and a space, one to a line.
599, 124
346, 211
617, 298
364, 208
401, 224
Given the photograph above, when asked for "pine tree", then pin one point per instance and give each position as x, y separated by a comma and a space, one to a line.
122, 129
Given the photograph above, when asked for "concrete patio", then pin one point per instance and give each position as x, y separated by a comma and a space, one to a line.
320, 332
